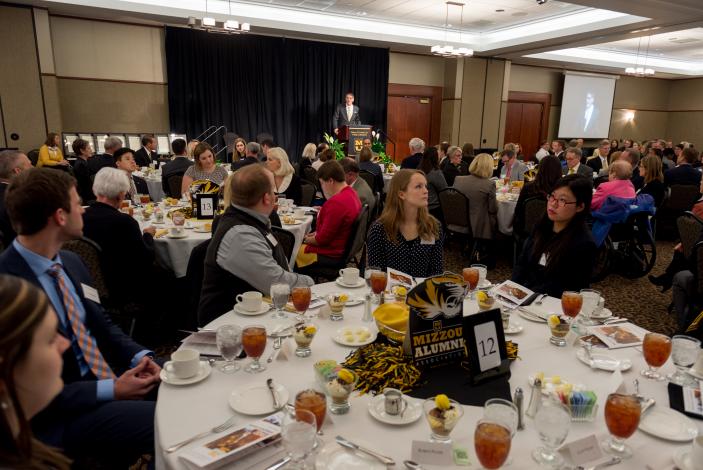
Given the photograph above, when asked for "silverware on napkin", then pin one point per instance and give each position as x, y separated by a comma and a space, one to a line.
350, 445
226, 425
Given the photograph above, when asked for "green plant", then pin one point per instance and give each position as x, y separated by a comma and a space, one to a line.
379, 148
335, 145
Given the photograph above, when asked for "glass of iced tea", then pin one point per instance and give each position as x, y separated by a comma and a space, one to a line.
254, 343
571, 303
378, 283
300, 296
314, 402
144, 199
471, 277
622, 416
656, 348
491, 443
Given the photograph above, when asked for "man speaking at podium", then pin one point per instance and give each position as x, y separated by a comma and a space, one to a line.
346, 114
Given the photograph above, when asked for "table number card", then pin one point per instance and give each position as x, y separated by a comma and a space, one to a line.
206, 205
485, 345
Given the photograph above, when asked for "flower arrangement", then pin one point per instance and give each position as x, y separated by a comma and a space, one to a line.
335, 145
379, 148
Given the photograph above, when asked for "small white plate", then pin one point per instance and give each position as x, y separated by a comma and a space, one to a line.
170, 235
354, 301
263, 309
256, 399
602, 315
201, 229
682, 459
695, 374
377, 409
154, 222
335, 457
297, 222
339, 336
204, 371
604, 361
189, 226
359, 283
531, 317
668, 424
513, 328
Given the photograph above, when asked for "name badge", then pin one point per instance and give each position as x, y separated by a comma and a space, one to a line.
90, 293
429, 241
270, 237
543, 260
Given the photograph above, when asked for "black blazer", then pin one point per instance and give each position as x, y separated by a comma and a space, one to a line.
140, 184
101, 161
595, 163
451, 172
340, 116
84, 185
244, 162
682, 174
175, 167
656, 189
375, 169
143, 158
8, 233
411, 162
79, 393
294, 190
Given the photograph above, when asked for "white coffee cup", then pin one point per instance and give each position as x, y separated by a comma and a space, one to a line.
698, 366
249, 301
697, 453
299, 213
394, 403
350, 276
177, 230
184, 363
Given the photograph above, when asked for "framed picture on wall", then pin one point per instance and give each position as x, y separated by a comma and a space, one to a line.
68, 140
134, 141
163, 146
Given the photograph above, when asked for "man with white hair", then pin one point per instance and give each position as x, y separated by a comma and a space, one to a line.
111, 145
417, 147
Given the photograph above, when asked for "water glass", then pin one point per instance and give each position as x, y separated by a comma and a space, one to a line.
497, 410
229, 343
684, 351
552, 422
482, 273
591, 298
279, 299
299, 435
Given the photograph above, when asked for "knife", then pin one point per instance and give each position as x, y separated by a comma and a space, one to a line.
350, 445
279, 464
269, 384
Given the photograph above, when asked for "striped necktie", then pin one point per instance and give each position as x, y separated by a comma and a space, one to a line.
98, 365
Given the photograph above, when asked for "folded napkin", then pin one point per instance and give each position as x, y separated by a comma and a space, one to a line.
161, 232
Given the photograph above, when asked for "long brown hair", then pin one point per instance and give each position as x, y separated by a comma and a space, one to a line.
236, 156
394, 211
22, 309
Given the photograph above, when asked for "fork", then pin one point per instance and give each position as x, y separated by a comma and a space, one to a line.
226, 425
276, 347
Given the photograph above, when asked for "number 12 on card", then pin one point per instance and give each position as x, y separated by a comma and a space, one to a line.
487, 346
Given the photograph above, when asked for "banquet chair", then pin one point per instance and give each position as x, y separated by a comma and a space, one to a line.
310, 175
308, 194
681, 198
174, 186
534, 210
286, 239
195, 273
455, 210
369, 178
690, 229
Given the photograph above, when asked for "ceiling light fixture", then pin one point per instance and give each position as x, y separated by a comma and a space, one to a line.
210, 24
641, 70
448, 50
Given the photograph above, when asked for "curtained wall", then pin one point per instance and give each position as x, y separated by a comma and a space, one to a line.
288, 88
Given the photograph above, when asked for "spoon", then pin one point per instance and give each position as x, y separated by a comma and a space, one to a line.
412, 465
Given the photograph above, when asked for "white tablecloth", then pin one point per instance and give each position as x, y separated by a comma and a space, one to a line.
173, 253
506, 211
386, 181
156, 191
184, 411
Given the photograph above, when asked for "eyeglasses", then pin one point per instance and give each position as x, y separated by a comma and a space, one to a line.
561, 202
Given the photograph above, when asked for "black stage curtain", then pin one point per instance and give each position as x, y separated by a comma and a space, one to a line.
288, 88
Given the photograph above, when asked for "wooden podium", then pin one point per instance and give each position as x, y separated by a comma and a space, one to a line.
354, 136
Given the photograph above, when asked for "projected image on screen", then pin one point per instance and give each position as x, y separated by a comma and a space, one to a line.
586, 106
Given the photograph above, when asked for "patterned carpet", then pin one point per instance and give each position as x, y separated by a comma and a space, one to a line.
636, 299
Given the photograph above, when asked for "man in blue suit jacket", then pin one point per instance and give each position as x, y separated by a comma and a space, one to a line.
104, 416
684, 173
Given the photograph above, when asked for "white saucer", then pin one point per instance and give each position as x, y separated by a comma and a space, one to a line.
339, 336
189, 227
359, 283
354, 301
682, 459
603, 361
170, 235
604, 313
377, 409
513, 328
668, 424
335, 457
695, 374
202, 374
263, 309
201, 230
256, 399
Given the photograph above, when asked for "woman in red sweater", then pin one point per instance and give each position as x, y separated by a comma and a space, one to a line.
334, 222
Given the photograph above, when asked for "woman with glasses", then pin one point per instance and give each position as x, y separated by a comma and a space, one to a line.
559, 254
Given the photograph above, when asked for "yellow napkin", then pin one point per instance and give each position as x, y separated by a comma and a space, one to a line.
161, 232
394, 315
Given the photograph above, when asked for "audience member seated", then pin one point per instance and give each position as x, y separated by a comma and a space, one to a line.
240, 149
231, 270
12, 163
177, 166
111, 145
253, 149
324, 153
558, 147
124, 160
454, 166
417, 148
684, 173
668, 158
559, 255
309, 155
287, 183
543, 150
481, 191
366, 164
81, 169
599, 160
50, 154
631, 156
651, 171
334, 222
547, 176
442, 149
406, 237
126, 250
147, 154
30, 373
618, 184
266, 142
204, 168
435, 181
467, 153
351, 176
513, 169
101, 410
573, 163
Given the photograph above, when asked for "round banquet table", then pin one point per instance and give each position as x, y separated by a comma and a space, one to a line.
184, 411
156, 191
386, 181
174, 253
506, 212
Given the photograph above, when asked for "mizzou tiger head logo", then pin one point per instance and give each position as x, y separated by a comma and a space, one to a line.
440, 295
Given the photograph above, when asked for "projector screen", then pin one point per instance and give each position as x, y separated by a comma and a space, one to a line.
586, 106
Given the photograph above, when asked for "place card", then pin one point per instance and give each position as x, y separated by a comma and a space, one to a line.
286, 350
583, 450
432, 453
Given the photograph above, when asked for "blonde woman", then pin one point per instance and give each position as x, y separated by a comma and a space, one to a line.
481, 191
287, 182
50, 154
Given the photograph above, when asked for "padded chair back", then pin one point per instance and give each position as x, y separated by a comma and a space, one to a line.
535, 208
690, 229
310, 175
33, 156
308, 194
195, 273
682, 197
286, 239
357, 235
369, 178
455, 209
90, 252
174, 186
